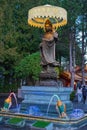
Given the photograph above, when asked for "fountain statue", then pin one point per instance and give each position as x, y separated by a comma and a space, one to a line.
47, 51
49, 18
8, 102
60, 107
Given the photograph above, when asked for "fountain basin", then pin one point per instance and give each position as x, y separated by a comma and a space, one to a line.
41, 95
57, 122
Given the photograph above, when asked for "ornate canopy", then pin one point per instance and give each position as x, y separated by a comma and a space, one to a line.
38, 15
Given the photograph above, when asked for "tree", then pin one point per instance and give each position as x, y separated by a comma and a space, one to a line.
82, 30
73, 9
16, 36
30, 68
16, 33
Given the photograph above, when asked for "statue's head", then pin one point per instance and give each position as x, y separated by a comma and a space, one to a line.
59, 103
48, 25
8, 100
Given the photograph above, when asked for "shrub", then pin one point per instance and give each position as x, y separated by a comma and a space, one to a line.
72, 95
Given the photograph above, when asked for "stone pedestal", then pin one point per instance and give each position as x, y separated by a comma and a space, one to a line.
42, 95
48, 78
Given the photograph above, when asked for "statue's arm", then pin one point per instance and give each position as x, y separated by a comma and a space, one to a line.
46, 39
55, 36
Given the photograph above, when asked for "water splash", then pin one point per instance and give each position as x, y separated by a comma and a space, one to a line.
77, 113
57, 97
14, 95
8, 102
34, 110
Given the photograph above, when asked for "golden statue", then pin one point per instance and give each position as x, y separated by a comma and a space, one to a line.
47, 46
61, 108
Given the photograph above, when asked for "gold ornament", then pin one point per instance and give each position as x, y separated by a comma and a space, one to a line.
38, 15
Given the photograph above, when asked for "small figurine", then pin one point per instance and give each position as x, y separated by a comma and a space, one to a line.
61, 108
7, 104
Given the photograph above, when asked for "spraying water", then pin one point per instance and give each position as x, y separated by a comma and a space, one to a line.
54, 96
8, 102
60, 108
14, 95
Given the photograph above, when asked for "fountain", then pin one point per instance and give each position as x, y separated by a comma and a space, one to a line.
60, 107
34, 116
41, 96
39, 100
57, 97
7, 108
8, 102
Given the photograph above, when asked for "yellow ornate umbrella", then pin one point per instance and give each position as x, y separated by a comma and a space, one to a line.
38, 15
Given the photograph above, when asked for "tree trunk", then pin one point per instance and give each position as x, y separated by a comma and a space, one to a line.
83, 53
72, 58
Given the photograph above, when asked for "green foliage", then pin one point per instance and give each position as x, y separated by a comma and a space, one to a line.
8, 59
8, 88
29, 67
14, 120
57, 71
18, 39
41, 124
72, 95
